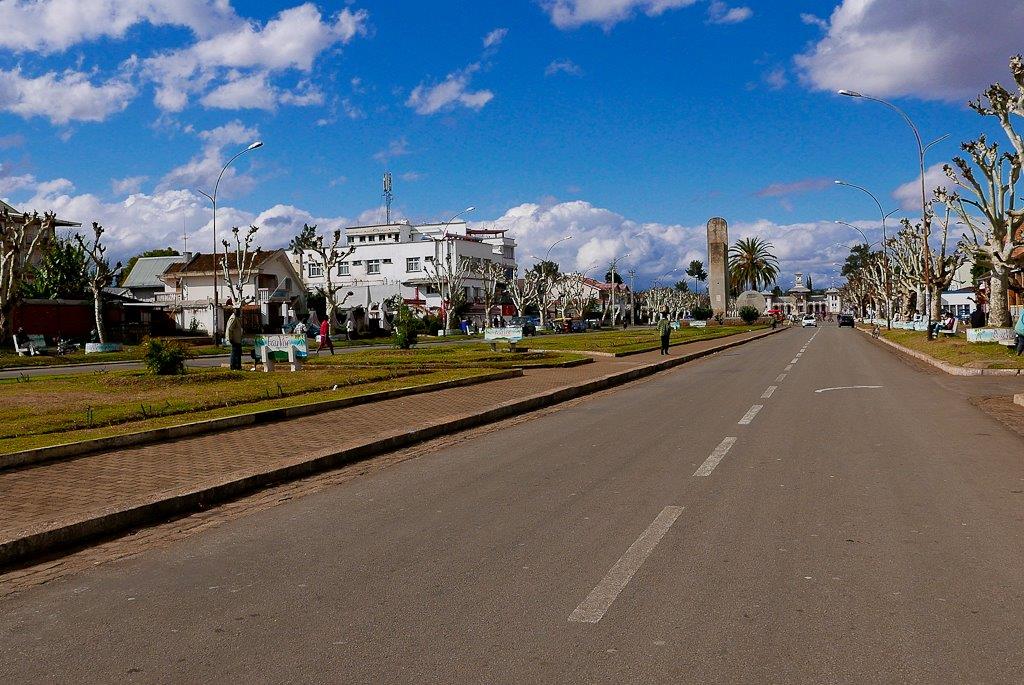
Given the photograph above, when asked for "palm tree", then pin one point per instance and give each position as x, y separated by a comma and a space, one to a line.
752, 264
696, 272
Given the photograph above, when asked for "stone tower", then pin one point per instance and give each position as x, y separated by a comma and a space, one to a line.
718, 265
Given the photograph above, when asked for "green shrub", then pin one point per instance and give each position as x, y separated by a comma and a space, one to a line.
749, 314
407, 327
165, 357
701, 313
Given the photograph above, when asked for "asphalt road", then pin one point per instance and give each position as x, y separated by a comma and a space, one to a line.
668, 532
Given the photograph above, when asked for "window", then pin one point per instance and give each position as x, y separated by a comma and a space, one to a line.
412, 264
373, 266
316, 270
343, 269
362, 238
387, 261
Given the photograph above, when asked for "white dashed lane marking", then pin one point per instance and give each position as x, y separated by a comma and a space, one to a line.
593, 608
768, 393
751, 413
716, 457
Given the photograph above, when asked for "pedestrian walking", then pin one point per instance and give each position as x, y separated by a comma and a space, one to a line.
665, 331
1018, 328
233, 331
325, 337
350, 328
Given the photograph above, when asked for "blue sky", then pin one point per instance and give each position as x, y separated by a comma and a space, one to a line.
626, 123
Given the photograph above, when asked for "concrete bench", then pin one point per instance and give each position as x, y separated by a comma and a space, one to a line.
36, 345
951, 331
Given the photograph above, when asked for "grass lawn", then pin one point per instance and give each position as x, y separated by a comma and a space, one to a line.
956, 350
630, 340
53, 410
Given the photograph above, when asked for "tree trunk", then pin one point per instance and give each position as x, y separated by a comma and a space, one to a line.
97, 303
998, 305
4, 333
331, 307
936, 302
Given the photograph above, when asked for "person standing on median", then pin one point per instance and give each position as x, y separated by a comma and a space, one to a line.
325, 336
665, 331
233, 331
1018, 328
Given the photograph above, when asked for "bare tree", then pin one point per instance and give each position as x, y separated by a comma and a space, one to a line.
493, 276
999, 232
330, 254
524, 291
450, 275
100, 275
245, 264
22, 238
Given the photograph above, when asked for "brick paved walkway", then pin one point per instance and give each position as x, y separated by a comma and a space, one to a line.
47, 496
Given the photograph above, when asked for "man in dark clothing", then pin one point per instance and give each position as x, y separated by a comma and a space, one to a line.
665, 331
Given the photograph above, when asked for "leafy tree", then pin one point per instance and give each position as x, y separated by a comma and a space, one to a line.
752, 264
61, 274
159, 252
682, 286
406, 325
810, 283
697, 273
548, 274
777, 291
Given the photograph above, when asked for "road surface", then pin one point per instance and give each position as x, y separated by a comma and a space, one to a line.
805, 509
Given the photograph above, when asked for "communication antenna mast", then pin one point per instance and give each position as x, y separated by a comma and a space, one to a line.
388, 197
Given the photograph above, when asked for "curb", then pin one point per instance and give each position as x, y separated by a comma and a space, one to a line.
620, 355
951, 369
70, 450
40, 542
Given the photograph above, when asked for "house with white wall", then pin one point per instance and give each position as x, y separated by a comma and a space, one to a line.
396, 259
270, 296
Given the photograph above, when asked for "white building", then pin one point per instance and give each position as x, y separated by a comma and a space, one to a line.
274, 289
390, 259
960, 301
800, 300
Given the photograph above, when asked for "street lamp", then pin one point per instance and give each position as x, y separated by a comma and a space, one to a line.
926, 220
849, 225
447, 261
885, 248
213, 199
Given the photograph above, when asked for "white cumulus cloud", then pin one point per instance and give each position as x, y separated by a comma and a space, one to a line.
63, 97
203, 169
570, 14
942, 50
453, 91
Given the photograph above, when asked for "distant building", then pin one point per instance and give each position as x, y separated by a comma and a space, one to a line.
396, 259
801, 300
271, 296
144, 282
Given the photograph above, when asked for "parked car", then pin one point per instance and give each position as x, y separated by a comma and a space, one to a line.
528, 326
808, 321
846, 320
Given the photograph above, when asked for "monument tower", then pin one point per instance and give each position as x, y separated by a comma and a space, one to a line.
718, 265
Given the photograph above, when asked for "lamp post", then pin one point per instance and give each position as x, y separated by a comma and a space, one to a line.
885, 248
447, 262
547, 255
213, 199
926, 219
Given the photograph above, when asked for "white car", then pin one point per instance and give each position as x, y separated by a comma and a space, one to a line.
808, 320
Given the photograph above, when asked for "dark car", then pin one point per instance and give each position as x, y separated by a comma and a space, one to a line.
846, 320
528, 327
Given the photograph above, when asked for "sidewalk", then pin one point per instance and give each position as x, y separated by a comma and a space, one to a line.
66, 502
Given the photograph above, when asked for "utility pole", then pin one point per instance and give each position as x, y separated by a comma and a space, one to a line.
632, 288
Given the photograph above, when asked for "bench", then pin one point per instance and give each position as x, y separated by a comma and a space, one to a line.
950, 331
509, 334
36, 346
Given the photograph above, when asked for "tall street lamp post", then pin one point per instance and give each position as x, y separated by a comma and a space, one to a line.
447, 263
885, 248
213, 199
547, 255
926, 218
